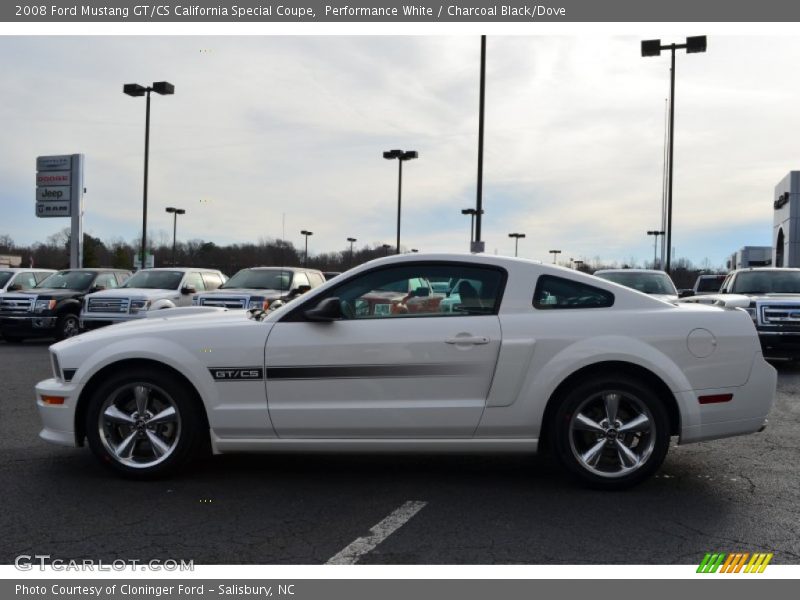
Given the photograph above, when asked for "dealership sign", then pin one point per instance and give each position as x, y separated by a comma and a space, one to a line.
59, 193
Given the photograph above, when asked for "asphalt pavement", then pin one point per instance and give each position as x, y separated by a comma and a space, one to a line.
738, 494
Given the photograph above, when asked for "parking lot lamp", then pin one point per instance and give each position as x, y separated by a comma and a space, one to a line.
175, 212
655, 235
554, 253
401, 156
693, 45
386, 249
352, 241
578, 264
516, 237
305, 254
134, 89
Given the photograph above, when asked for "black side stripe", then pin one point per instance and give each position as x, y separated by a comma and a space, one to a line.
371, 371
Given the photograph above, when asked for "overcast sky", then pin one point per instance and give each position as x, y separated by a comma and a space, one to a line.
260, 127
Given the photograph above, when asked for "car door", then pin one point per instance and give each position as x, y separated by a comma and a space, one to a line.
394, 374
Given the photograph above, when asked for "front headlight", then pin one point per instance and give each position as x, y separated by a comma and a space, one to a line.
43, 305
258, 302
752, 313
139, 306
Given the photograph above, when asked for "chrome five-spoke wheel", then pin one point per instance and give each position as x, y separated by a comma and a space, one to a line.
145, 421
612, 433
139, 425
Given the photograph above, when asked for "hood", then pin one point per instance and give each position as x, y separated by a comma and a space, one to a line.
162, 326
146, 293
44, 293
264, 293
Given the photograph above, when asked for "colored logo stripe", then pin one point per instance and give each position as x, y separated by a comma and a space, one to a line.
734, 562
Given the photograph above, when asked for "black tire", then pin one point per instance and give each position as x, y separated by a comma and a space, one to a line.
186, 436
577, 443
67, 326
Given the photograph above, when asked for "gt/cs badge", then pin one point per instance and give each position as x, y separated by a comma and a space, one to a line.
237, 373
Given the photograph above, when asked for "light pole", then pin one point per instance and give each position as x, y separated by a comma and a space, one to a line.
401, 156
516, 237
655, 235
134, 89
352, 241
414, 250
578, 264
554, 253
478, 245
471, 212
175, 212
305, 255
693, 45
386, 249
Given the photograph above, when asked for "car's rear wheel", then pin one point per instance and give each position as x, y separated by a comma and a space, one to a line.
143, 423
67, 326
611, 432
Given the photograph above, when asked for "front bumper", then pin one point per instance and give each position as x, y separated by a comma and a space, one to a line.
745, 413
28, 326
58, 420
779, 344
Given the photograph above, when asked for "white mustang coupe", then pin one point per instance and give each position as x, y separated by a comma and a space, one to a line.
523, 356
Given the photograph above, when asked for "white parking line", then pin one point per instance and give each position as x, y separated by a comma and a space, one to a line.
361, 546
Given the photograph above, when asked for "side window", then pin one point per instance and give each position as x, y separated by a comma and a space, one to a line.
41, 276
25, 280
299, 279
122, 277
212, 280
316, 279
194, 280
405, 291
106, 281
556, 292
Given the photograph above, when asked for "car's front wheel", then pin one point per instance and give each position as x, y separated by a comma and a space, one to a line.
611, 432
67, 326
143, 423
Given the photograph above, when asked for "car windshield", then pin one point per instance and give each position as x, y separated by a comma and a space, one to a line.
649, 283
155, 280
260, 279
709, 284
4, 277
767, 282
68, 280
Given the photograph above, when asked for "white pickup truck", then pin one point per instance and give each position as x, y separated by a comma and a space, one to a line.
148, 290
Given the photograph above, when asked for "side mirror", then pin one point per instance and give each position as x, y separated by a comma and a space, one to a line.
186, 290
97, 288
14, 287
328, 310
299, 290
685, 293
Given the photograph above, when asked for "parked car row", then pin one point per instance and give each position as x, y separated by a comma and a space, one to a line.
49, 304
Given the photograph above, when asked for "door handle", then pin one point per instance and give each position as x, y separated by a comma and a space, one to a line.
467, 339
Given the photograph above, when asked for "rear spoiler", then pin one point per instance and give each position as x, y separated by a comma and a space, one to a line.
721, 300
183, 311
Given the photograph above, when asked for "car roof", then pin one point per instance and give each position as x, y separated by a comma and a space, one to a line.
18, 269
181, 269
630, 271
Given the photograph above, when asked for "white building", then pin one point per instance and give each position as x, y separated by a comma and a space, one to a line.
786, 222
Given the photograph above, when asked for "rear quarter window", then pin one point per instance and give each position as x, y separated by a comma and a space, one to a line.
558, 292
